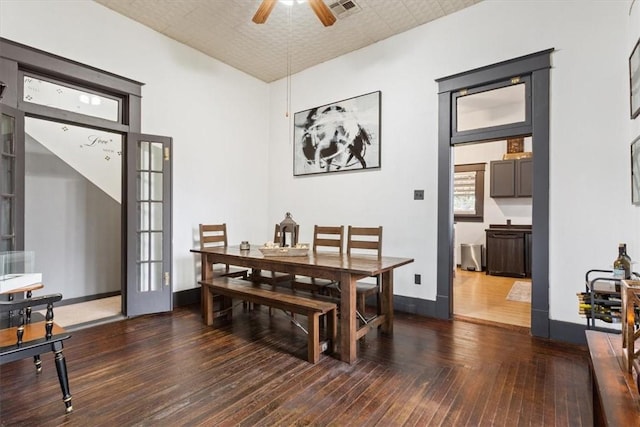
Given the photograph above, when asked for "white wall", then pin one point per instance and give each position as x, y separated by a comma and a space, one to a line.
215, 114
496, 211
590, 210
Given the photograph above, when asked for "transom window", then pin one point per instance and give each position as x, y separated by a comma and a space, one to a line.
487, 112
53, 94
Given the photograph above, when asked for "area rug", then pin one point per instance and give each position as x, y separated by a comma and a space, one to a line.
520, 291
90, 311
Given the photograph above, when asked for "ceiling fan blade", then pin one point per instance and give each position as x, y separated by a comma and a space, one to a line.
322, 12
263, 11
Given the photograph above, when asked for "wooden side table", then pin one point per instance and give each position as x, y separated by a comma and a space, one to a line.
630, 294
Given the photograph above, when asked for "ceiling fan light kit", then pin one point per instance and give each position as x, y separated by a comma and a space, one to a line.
319, 8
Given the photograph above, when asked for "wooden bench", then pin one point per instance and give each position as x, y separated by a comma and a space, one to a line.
229, 288
616, 401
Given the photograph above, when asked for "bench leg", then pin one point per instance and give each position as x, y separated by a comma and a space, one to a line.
61, 367
313, 345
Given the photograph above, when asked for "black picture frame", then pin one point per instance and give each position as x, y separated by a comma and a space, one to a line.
634, 80
338, 137
635, 171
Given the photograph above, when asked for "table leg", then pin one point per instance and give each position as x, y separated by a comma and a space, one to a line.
348, 337
207, 267
387, 301
207, 305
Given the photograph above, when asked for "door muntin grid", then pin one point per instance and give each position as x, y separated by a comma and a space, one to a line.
149, 200
8, 184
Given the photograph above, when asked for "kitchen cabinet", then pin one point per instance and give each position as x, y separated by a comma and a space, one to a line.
511, 178
509, 250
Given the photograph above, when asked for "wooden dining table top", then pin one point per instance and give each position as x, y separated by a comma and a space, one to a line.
358, 264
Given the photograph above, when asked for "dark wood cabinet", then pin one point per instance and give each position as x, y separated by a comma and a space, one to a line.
511, 178
509, 251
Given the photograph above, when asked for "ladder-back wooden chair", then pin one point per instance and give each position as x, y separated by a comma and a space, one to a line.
366, 240
215, 235
325, 238
25, 334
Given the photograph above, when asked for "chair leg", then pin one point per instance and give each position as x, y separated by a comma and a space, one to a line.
203, 305
61, 367
38, 363
362, 304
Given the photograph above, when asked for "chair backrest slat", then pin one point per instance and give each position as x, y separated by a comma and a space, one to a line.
212, 235
328, 237
365, 238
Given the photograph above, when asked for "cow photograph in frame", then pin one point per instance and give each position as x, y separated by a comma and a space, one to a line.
337, 137
634, 80
635, 171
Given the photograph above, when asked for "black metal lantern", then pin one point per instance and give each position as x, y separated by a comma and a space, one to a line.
290, 227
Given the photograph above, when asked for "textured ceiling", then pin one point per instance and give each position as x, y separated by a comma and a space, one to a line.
291, 40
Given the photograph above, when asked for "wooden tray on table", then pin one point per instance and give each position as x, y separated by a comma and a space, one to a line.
278, 251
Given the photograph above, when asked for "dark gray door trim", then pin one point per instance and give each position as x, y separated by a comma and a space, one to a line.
537, 65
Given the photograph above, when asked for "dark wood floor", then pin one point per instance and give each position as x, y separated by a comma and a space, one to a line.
170, 370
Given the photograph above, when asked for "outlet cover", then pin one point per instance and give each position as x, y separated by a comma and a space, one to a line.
417, 279
418, 194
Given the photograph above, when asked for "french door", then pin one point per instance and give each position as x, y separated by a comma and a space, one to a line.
11, 179
148, 225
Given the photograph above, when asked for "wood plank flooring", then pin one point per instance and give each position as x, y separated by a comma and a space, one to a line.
171, 370
477, 296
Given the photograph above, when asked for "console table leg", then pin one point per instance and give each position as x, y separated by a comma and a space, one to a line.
61, 367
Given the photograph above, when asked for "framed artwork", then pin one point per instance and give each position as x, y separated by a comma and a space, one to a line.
337, 137
635, 171
634, 79
515, 145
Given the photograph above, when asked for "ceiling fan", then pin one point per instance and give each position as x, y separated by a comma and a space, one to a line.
321, 10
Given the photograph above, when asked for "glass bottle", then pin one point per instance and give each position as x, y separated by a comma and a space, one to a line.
626, 255
622, 264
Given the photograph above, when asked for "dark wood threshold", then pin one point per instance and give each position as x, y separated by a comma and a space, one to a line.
516, 328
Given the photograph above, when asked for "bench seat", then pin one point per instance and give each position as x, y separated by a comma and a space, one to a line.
229, 288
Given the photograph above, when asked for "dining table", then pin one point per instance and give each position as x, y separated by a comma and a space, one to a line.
343, 268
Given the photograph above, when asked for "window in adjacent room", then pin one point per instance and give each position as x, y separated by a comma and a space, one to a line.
468, 192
